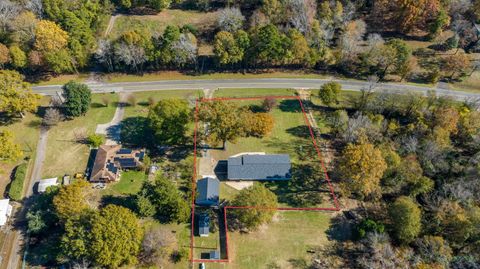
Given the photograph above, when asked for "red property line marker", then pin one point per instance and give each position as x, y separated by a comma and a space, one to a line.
312, 136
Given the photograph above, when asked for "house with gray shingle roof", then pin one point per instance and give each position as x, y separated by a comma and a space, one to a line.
259, 167
207, 191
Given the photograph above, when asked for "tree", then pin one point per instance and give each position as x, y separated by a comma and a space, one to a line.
9, 150
168, 120
4, 55
362, 165
406, 219
269, 103
224, 121
455, 65
301, 13
329, 92
258, 124
49, 37
299, 51
70, 201
95, 140
226, 49
60, 61
23, 28
19, 58
184, 50
255, 196
77, 98
16, 96
269, 45
157, 244
169, 203
116, 237
230, 19
434, 250
52, 117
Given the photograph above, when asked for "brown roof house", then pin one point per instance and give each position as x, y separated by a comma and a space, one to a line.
111, 159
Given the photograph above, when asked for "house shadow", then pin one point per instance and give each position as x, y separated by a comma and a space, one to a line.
220, 169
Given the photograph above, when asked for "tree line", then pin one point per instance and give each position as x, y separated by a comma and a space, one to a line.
61, 37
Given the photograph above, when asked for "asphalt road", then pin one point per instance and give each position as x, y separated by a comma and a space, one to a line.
351, 85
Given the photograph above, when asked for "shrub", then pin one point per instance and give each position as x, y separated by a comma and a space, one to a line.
95, 140
16, 186
367, 226
269, 103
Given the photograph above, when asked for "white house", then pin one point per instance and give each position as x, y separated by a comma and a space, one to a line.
43, 184
5, 211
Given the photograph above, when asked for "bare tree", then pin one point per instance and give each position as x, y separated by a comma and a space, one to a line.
301, 14
156, 246
374, 41
230, 19
35, 6
105, 53
8, 11
131, 55
52, 117
106, 101
131, 100
350, 40
185, 50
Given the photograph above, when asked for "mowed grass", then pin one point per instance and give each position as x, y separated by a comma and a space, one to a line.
470, 84
278, 244
156, 24
253, 92
64, 154
130, 183
175, 75
62, 79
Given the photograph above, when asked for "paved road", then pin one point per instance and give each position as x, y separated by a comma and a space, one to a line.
352, 85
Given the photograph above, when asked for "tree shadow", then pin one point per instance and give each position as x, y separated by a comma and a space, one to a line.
341, 228
301, 131
97, 105
290, 105
135, 132
125, 201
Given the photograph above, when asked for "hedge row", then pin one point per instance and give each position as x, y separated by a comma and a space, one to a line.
16, 186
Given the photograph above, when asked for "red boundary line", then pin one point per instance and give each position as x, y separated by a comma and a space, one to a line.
327, 178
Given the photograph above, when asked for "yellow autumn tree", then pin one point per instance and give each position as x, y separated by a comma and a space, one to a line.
71, 200
9, 150
49, 37
363, 166
16, 96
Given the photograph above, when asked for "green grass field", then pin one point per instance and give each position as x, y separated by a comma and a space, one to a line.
175, 75
282, 243
253, 92
156, 24
64, 154
130, 183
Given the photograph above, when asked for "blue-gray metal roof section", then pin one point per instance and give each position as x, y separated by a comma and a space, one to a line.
259, 167
207, 191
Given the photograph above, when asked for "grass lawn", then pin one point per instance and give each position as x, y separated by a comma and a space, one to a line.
66, 156
130, 183
280, 244
470, 84
62, 79
253, 92
156, 24
175, 75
